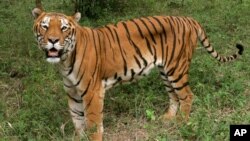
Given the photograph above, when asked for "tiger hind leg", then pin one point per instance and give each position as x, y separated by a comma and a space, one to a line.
174, 100
180, 95
184, 94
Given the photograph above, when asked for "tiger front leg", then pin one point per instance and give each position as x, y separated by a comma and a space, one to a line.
76, 111
93, 110
75, 104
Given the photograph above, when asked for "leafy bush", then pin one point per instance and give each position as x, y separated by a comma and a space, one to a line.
96, 8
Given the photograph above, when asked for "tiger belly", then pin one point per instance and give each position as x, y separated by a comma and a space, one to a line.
132, 75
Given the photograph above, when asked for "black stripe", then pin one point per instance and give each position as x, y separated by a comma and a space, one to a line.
181, 52
94, 76
235, 56
121, 50
216, 55
126, 28
155, 55
168, 86
74, 85
79, 113
162, 26
138, 51
183, 98
79, 80
115, 77
100, 42
73, 63
133, 74
190, 28
219, 58
204, 40
166, 59
141, 71
174, 40
92, 113
164, 37
87, 105
76, 100
150, 33
184, 68
152, 24
95, 46
207, 46
211, 50
177, 79
196, 30
138, 28
224, 59
97, 56
119, 79
171, 72
72, 32
162, 73
149, 47
110, 32
192, 25
133, 44
67, 86
194, 22
86, 90
181, 87
110, 45
171, 90
137, 61
177, 24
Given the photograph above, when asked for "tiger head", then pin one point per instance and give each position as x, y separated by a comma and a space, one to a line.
55, 33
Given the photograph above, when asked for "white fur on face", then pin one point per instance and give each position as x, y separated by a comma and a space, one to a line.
64, 24
45, 22
53, 60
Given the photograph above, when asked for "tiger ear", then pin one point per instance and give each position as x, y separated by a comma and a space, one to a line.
36, 12
77, 16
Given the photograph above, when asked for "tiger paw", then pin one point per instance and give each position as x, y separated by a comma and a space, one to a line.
167, 117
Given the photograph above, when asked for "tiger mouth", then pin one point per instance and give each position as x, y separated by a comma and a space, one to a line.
53, 53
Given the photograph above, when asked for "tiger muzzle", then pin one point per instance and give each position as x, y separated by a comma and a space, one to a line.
53, 53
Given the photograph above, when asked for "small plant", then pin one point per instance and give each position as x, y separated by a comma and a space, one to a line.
150, 114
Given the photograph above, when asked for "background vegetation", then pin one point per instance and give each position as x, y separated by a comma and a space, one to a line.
33, 104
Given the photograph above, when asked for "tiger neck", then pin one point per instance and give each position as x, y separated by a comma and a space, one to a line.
68, 60
82, 58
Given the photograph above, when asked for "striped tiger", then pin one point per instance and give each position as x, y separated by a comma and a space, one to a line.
92, 60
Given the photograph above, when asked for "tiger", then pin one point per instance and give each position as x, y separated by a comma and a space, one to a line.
93, 60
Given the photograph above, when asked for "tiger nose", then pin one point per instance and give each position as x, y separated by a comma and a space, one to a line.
53, 40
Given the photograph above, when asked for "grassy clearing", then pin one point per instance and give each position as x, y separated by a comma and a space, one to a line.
33, 104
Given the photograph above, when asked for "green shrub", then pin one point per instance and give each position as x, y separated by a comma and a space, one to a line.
96, 8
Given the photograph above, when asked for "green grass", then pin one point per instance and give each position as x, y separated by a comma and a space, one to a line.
33, 104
